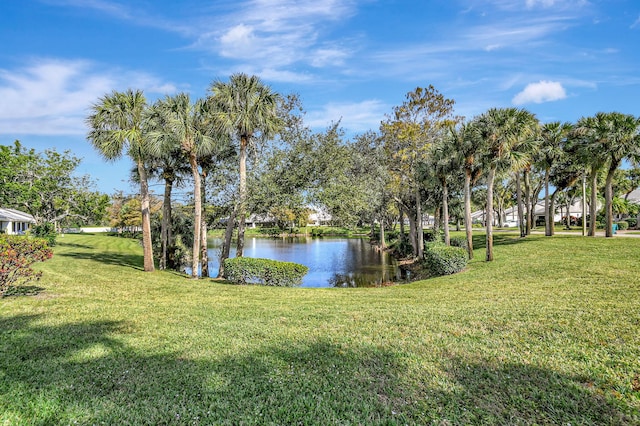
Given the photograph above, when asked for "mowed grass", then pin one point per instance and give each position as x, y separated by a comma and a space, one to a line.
548, 333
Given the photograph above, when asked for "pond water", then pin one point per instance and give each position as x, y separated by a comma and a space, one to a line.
332, 262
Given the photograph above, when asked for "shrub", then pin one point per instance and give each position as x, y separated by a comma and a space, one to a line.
17, 254
458, 242
444, 260
623, 225
632, 221
46, 231
430, 235
244, 270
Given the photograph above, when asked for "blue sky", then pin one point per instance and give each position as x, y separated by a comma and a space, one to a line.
348, 59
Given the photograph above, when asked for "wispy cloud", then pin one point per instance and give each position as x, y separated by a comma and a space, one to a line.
51, 97
636, 24
355, 117
542, 91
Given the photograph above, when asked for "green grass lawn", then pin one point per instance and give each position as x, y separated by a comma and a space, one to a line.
549, 333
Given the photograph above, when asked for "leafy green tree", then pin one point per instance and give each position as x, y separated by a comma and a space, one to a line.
45, 185
246, 109
116, 126
409, 133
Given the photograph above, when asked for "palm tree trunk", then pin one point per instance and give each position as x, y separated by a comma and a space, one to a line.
147, 247
521, 225
383, 243
527, 200
467, 212
593, 208
608, 199
197, 216
226, 244
445, 212
552, 209
165, 231
548, 217
490, 179
204, 255
419, 228
243, 196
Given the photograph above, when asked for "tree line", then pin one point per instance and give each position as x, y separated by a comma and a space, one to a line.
245, 149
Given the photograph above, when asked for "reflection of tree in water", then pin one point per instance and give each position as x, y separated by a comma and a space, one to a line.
373, 279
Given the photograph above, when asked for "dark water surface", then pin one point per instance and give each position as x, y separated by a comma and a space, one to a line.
332, 262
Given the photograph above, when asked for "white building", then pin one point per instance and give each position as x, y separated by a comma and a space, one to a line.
15, 222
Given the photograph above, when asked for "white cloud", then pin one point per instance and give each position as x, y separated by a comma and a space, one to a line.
543, 91
355, 117
52, 97
543, 3
636, 23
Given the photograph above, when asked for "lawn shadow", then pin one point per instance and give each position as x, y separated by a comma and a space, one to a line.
84, 373
499, 239
23, 290
510, 393
73, 245
128, 260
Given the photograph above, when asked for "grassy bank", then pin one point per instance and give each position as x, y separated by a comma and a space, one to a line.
549, 333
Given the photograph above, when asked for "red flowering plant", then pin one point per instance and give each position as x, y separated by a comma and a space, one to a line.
17, 254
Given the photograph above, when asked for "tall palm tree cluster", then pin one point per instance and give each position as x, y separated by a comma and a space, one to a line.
176, 134
509, 148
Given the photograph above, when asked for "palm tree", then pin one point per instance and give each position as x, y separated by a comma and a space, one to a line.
502, 129
553, 136
115, 125
622, 141
466, 144
246, 109
181, 120
607, 139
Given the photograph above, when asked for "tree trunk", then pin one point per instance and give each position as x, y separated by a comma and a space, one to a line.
419, 228
527, 199
147, 247
197, 216
467, 212
383, 243
608, 199
445, 213
402, 235
241, 214
593, 208
226, 244
548, 216
413, 235
204, 254
490, 179
551, 211
165, 227
521, 225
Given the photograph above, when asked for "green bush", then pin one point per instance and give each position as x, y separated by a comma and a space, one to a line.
46, 231
430, 235
632, 221
623, 225
247, 270
444, 260
458, 242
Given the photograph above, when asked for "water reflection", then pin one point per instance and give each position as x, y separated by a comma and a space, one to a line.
332, 262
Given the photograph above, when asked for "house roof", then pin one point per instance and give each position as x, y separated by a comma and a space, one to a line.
12, 215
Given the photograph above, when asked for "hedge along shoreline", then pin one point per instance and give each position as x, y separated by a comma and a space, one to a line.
248, 270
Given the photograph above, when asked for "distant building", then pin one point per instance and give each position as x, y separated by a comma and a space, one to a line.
15, 222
